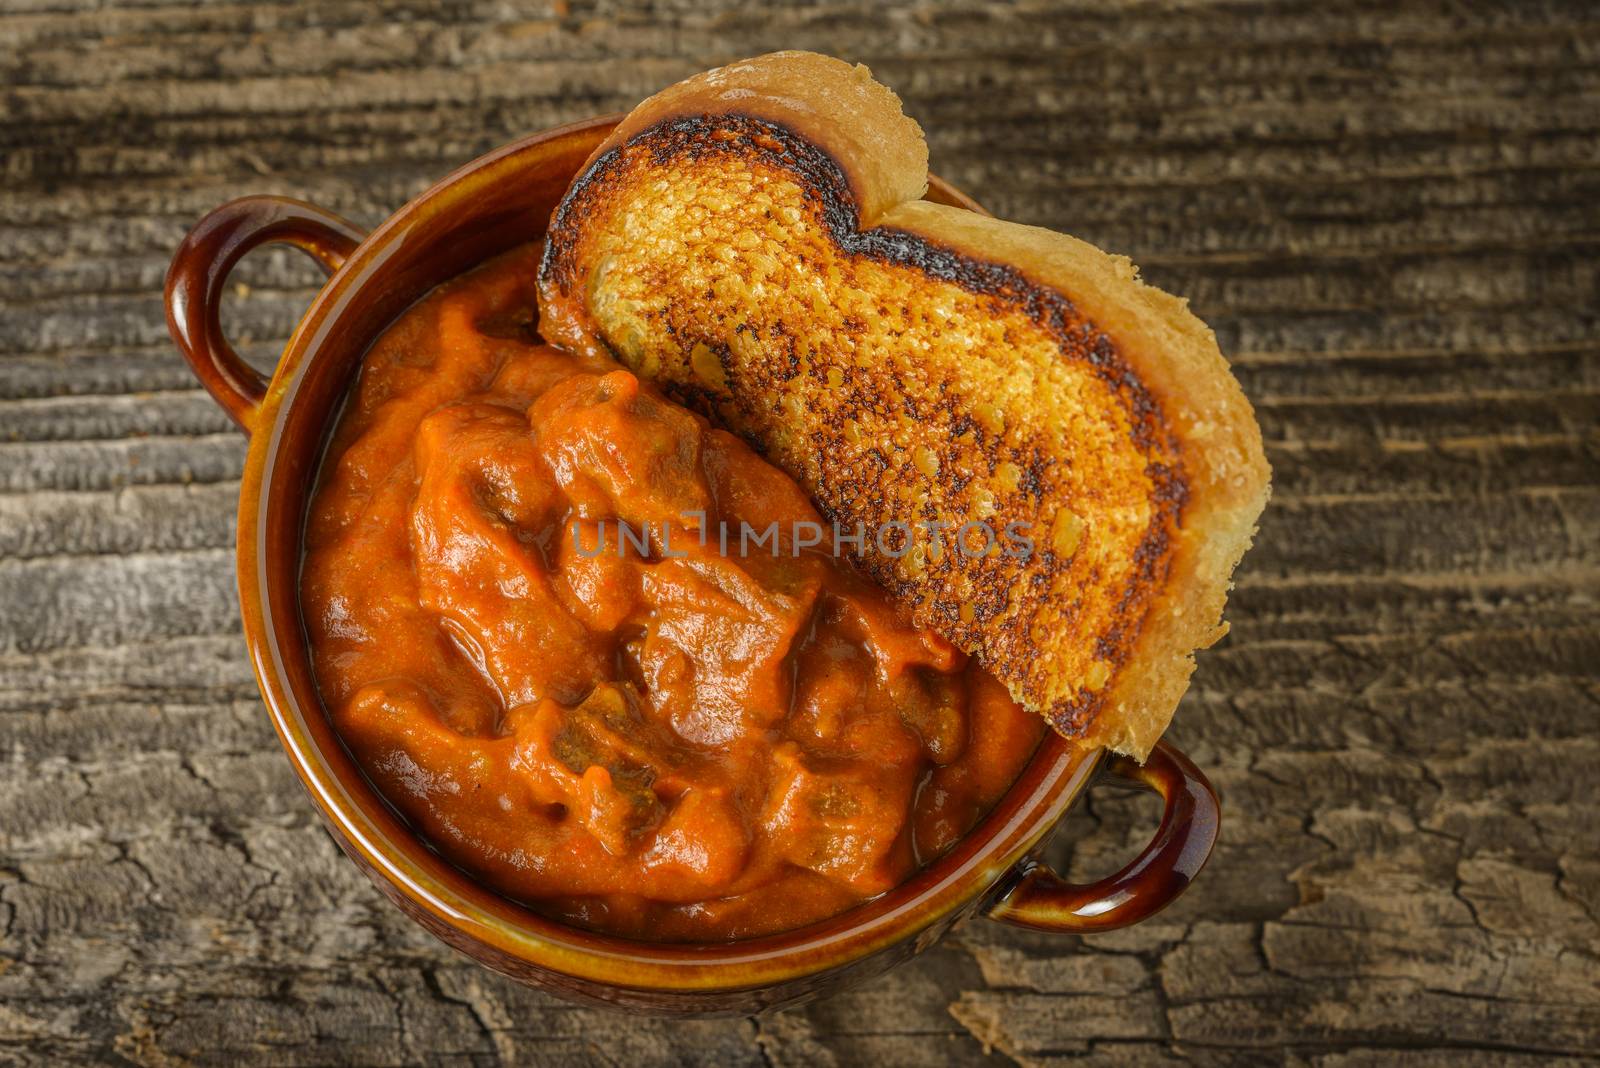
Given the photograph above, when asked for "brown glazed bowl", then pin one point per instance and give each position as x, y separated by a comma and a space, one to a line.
493, 203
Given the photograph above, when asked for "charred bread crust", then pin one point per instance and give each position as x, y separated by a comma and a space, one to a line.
1101, 645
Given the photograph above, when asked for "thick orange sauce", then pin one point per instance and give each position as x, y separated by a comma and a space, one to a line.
674, 744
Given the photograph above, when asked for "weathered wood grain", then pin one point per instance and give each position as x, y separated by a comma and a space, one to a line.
1389, 212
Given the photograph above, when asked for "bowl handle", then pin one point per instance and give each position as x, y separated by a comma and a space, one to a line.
1044, 901
200, 270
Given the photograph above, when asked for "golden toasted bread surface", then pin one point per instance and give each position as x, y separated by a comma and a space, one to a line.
951, 384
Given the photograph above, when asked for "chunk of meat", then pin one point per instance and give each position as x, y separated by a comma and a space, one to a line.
716, 645
482, 512
839, 818
616, 451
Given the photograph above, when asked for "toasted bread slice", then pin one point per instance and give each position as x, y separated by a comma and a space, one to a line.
753, 238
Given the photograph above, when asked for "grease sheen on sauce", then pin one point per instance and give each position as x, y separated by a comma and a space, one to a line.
698, 747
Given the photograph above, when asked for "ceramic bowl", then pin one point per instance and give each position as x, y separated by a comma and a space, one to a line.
493, 203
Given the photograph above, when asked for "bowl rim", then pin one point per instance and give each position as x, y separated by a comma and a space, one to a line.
974, 870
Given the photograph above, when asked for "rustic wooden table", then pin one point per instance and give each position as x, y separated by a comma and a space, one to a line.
1389, 211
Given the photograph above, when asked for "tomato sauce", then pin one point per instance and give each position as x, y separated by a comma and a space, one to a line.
649, 736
